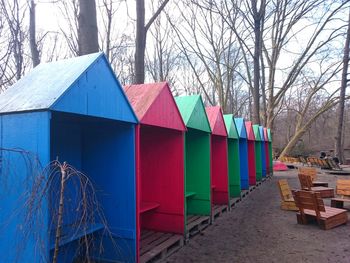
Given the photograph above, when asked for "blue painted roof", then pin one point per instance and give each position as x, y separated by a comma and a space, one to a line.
261, 129
240, 124
83, 85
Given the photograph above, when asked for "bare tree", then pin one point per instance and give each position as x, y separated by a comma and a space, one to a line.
69, 10
211, 52
258, 13
162, 57
313, 101
141, 33
339, 146
14, 14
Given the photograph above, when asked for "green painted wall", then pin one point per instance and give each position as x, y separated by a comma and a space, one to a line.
258, 157
258, 160
270, 156
234, 168
197, 172
270, 149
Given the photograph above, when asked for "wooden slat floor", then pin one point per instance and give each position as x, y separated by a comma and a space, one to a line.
158, 245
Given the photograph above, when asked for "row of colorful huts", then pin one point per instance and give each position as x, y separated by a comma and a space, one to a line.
155, 160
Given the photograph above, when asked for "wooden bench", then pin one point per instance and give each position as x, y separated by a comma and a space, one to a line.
306, 184
287, 202
313, 173
303, 160
312, 208
333, 165
148, 206
343, 192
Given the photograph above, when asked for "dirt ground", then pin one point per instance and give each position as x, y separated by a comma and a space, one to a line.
257, 230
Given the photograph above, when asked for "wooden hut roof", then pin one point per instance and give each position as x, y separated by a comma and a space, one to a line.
216, 120
262, 136
250, 131
83, 85
257, 132
231, 126
193, 112
269, 134
241, 127
155, 105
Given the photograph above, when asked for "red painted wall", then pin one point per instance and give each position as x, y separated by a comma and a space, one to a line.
251, 163
161, 178
219, 170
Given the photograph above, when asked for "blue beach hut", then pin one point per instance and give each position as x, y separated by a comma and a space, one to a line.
243, 152
74, 111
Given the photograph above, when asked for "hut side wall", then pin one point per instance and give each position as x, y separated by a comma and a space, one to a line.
162, 178
251, 162
263, 159
105, 152
219, 170
29, 131
243, 158
266, 147
234, 167
258, 160
270, 158
197, 172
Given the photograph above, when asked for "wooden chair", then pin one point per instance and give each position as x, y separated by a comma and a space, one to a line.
312, 160
306, 184
312, 208
324, 164
303, 160
287, 202
343, 192
333, 164
312, 172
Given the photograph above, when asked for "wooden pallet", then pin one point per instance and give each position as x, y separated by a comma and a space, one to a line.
196, 224
244, 193
258, 183
234, 201
217, 211
251, 188
156, 246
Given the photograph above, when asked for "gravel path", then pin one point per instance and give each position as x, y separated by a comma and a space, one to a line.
257, 230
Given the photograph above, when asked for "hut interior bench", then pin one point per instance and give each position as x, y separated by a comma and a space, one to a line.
70, 233
190, 194
148, 206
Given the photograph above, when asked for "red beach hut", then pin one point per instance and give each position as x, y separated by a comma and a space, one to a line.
219, 165
251, 152
160, 167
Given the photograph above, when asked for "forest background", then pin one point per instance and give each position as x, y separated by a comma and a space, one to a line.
280, 63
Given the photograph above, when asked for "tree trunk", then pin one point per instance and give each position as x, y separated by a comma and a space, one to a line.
140, 42
32, 35
87, 30
258, 16
141, 33
291, 144
339, 151
256, 96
